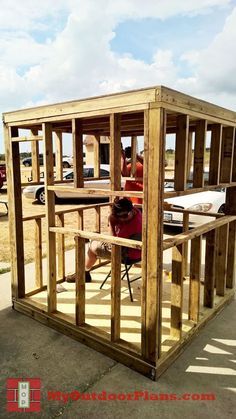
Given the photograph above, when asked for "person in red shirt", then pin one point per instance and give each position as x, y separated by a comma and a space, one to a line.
125, 221
135, 184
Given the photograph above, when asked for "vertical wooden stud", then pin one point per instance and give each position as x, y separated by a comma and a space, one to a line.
38, 253
210, 257
215, 153
221, 259
35, 157
227, 154
80, 282
96, 155
195, 275
50, 218
77, 137
181, 151
230, 209
59, 155
177, 292
61, 248
154, 147
133, 155
199, 150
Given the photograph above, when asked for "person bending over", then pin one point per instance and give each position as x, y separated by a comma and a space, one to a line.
124, 221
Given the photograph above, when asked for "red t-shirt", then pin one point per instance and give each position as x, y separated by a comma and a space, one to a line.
134, 185
126, 230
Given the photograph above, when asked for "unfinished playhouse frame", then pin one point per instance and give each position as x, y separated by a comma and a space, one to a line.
152, 113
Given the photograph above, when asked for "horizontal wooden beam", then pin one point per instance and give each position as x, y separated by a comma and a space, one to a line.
196, 232
134, 244
30, 138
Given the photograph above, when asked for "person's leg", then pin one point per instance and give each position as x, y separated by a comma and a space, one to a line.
91, 255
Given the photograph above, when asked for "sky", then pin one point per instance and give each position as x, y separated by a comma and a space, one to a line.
59, 50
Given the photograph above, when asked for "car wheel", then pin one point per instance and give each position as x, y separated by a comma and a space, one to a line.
66, 165
27, 164
222, 209
41, 196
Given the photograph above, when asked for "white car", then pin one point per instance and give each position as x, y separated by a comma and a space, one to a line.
207, 201
38, 192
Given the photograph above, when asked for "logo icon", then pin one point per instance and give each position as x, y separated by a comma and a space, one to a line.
23, 394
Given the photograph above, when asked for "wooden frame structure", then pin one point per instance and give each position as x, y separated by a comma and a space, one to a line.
154, 113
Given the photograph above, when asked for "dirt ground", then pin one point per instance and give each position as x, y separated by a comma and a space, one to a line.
34, 208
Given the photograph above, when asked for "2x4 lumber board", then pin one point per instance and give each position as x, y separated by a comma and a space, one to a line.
234, 163
181, 150
35, 158
231, 256
179, 100
230, 208
152, 240
177, 292
210, 265
115, 152
96, 192
15, 213
190, 151
89, 338
195, 275
80, 282
115, 159
98, 219
221, 259
25, 139
133, 155
185, 251
115, 292
96, 155
199, 150
127, 100
60, 249
215, 154
197, 231
50, 218
228, 136
38, 253
144, 238
77, 138
59, 155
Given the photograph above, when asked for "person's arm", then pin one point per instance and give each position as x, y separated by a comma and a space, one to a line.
139, 158
112, 224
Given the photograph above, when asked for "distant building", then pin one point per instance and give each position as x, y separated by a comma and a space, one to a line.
104, 149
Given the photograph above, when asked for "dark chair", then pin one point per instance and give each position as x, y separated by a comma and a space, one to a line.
128, 265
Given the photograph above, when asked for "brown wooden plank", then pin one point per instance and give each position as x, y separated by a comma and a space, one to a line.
199, 150
234, 163
221, 259
115, 292
77, 136
60, 249
98, 219
210, 258
230, 208
155, 131
133, 155
59, 155
181, 151
15, 213
35, 157
38, 253
195, 275
80, 281
190, 153
115, 158
177, 292
50, 218
96, 155
227, 151
186, 245
215, 154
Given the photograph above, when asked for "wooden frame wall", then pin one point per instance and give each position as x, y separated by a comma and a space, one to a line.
150, 112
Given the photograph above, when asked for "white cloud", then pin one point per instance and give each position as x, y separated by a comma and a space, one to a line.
77, 61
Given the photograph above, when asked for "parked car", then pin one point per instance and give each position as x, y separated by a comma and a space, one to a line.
207, 201
38, 192
67, 161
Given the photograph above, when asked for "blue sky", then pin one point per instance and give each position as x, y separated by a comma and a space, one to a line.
60, 50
